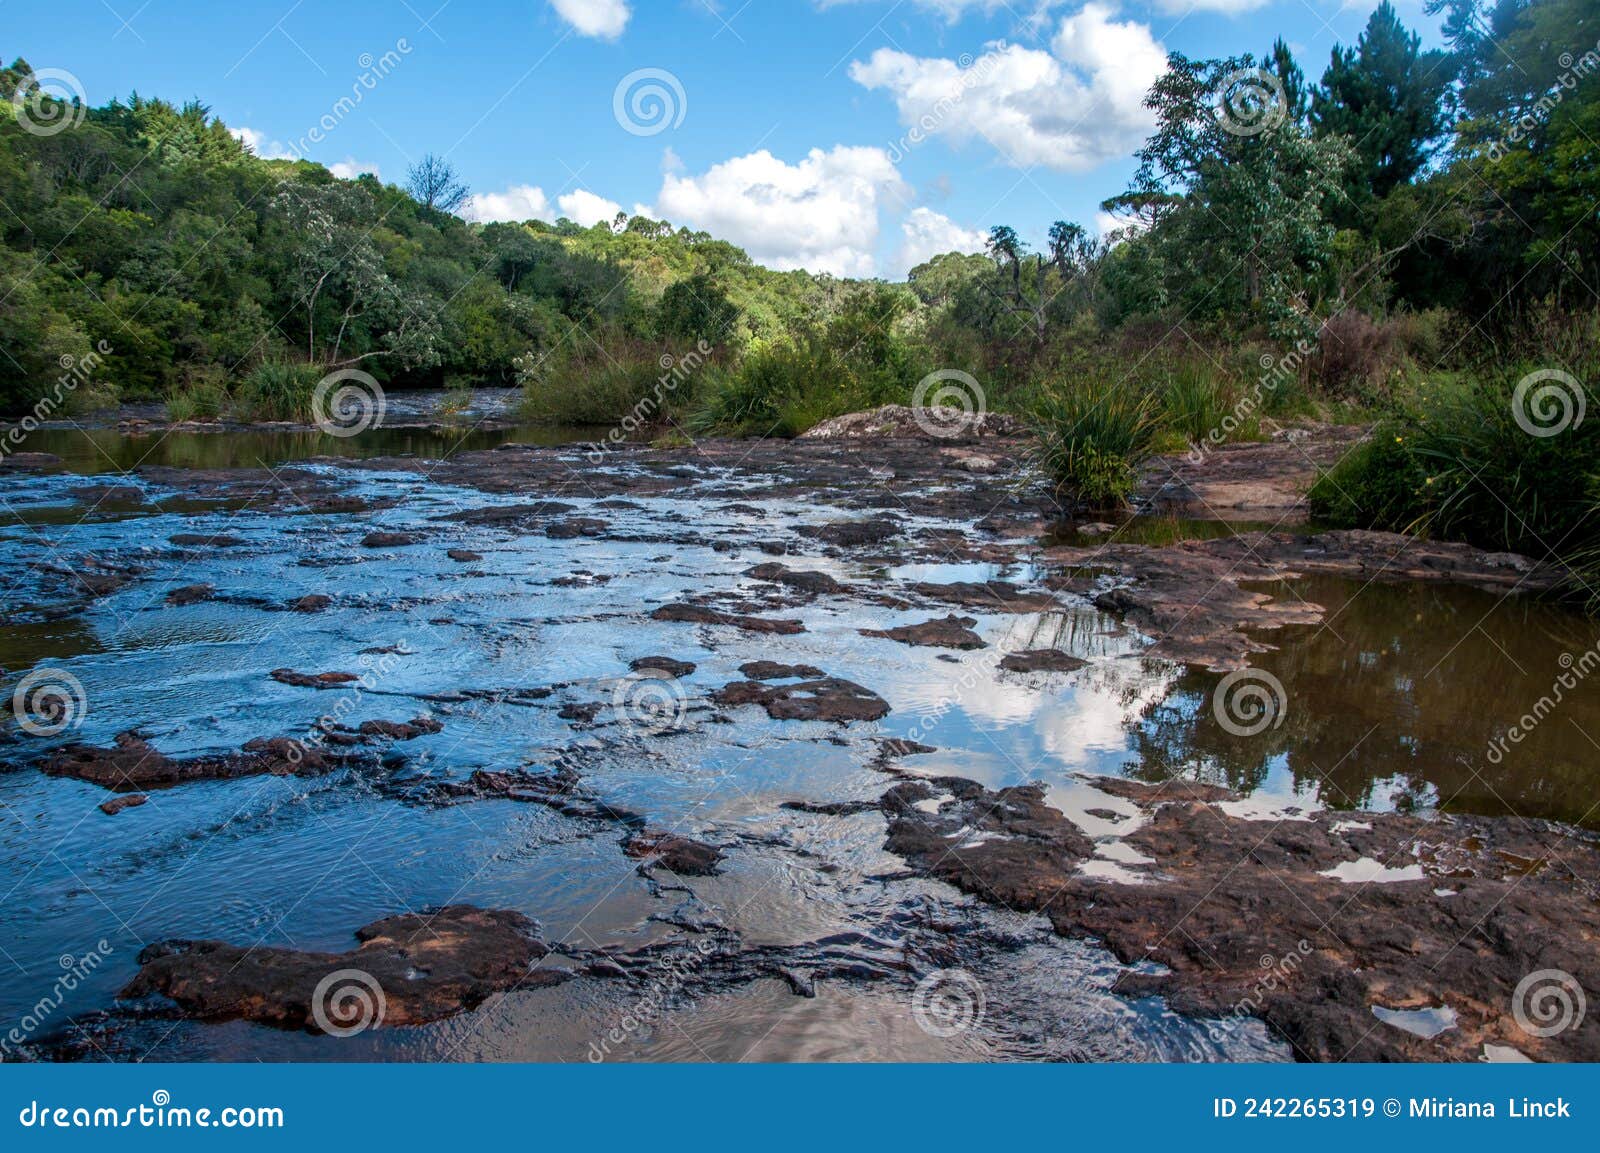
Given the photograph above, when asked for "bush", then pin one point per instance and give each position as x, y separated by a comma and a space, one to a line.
202, 396
630, 383
778, 388
277, 390
1093, 436
1455, 462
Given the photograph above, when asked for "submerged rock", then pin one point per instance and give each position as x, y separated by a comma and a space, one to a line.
704, 615
805, 581
299, 680
128, 801
389, 539
674, 853
191, 594
408, 970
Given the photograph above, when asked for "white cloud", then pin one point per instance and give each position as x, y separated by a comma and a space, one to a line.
1226, 7
953, 10
820, 214
349, 168
1072, 108
602, 19
585, 208
928, 233
517, 203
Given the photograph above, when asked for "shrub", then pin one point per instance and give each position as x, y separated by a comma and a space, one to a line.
779, 388
1353, 355
202, 396
277, 390
1092, 438
630, 383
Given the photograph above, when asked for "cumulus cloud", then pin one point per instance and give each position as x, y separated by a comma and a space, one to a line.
928, 234
584, 207
820, 214
1070, 108
1226, 7
268, 149
518, 203
602, 19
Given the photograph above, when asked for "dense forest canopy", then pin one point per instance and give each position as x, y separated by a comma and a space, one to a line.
1458, 186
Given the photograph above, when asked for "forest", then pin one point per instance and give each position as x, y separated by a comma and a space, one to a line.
1407, 240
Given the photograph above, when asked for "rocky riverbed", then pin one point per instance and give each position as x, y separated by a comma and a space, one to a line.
842, 747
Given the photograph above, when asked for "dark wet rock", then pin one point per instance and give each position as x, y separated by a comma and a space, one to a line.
669, 665
577, 526
833, 808
463, 556
389, 539
191, 594
204, 540
805, 581
825, 699
990, 596
704, 615
1042, 661
401, 730
132, 764
312, 680
951, 632
509, 516
311, 603
853, 533
902, 747
28, 459
560, 789
421, 967
1249, 917
674, 853
94, 494
581, 580
773, 671
773, 547
127, 801
745, 509
582, 711
1190, 596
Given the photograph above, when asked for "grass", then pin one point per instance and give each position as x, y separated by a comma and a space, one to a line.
1093, 436
277, 390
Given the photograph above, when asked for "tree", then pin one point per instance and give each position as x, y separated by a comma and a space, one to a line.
432, 183
1385, 96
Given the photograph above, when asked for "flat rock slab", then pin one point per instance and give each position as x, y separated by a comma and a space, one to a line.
804, 580
408, 970
1251, 918
671, 666
1263, 481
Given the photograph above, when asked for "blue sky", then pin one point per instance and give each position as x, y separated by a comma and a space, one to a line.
789, 123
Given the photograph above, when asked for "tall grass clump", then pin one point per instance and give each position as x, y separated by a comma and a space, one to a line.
1093, 436
779, 388
1194, 402
277, 390
629, 382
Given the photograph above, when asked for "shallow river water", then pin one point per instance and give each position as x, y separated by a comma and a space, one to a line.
1393, 702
